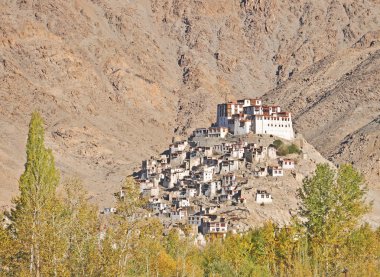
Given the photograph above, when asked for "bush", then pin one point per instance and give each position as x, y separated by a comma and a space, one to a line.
284, 149
278, 143
293, 149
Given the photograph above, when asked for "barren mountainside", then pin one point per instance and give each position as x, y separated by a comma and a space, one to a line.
115, 80
335, 103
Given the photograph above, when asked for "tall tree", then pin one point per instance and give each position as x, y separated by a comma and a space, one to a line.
331, 205
37, 196
80, 229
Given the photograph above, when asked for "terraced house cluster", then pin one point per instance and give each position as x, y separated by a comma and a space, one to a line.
195, 180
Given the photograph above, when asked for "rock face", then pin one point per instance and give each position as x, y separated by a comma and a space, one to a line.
115, 80
336, 105
362, 148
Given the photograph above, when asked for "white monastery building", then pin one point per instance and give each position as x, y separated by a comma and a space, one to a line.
250, 115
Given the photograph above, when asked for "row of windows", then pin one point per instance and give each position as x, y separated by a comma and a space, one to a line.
217, 229
277, 118
271, 125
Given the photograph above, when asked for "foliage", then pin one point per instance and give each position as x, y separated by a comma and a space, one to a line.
285, 149
278, 143
293, 149
331, 205
36, 213
64, 235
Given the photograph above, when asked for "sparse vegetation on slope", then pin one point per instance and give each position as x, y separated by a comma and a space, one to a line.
284, 149
67, 237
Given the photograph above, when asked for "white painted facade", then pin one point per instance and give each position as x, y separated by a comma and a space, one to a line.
178, 146
207, 174
275, 171
183, 203
228, 166
287, 163
248, 115
195, 220
211, 191
272, 152
174, 175
109, 210
158, 206
191, 192
277, 125
214, 226
260, 172
178, 215
263, 197
212, 132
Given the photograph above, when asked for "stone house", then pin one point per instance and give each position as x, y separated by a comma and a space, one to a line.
275, 171
263, 197
287, 163
214, 226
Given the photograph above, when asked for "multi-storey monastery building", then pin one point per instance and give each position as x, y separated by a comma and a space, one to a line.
250, 115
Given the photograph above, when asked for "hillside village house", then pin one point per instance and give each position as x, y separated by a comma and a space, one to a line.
195, 219
263, 197
178, 214
275, 171
212, 132
260, 171
214, 226
286, 163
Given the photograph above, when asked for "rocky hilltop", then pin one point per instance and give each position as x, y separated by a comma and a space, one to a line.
115, 80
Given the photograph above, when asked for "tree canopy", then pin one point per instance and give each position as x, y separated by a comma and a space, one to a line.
50, 234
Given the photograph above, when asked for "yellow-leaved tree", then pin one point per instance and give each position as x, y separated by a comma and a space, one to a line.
35, 218
331, 205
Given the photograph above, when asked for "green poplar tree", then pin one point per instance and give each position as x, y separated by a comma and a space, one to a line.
37, 196
80, 229
332, 202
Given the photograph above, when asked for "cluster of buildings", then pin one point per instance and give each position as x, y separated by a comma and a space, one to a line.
190, 183
250, 115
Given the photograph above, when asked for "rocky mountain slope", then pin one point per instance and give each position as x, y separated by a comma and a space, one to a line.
336, 105
115, 79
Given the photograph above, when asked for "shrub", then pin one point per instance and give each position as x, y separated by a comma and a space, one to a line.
278, 143
293, 149
284, 149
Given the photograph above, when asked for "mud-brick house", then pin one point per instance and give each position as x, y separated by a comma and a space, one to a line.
287, 163
276, 171
263, 197
214, 226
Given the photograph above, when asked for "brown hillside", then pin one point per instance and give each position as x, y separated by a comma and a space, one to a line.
115, 79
